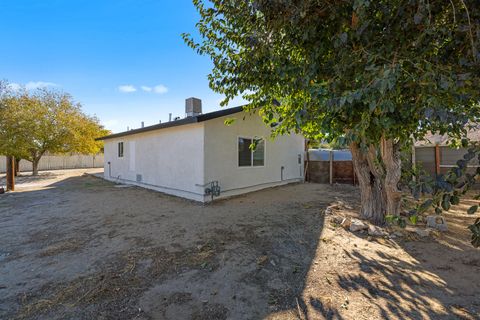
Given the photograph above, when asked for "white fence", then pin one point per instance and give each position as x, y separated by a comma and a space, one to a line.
59, 162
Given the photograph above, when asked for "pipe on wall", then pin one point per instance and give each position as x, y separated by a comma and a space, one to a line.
109, 169
262, 184
157, 186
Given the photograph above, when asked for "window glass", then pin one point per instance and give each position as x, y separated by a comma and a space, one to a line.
120, 149
244, 152
259, 153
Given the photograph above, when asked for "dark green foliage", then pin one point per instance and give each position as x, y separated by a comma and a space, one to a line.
475, 228
448, 189
400, 221
358, 72
472, 209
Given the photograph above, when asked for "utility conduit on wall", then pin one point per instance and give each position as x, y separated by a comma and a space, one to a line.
155, 186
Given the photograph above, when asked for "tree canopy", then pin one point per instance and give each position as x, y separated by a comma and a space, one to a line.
376, 74
33, 123
357, 69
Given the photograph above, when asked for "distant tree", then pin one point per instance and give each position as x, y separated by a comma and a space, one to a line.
32, 124
374, 73
13, 140
336, 144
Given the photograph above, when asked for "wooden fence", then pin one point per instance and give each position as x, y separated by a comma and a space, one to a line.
55, 162
319, 172
440, 159
330, 170
433, 159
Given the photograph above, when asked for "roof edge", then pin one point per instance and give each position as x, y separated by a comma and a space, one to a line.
176, 123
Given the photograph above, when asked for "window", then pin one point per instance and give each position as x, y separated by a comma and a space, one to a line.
120, 149
258, 154
244, 152
248, 157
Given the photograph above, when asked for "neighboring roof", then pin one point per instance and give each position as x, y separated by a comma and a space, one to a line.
442, 140
176, 123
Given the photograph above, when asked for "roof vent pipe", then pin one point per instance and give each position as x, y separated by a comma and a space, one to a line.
193, 107
169, 117
143, 124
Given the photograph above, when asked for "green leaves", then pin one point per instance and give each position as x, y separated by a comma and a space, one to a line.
472, 209
32, 123
475, 229
413, 219
425, 206
392, 71
396, 220
359, 69
455, 200
446, 202
229, 121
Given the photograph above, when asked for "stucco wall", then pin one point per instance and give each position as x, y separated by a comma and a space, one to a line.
179, 160
169, 160
221, 156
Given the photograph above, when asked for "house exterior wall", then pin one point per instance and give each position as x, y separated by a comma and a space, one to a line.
183, 160
221, 156
169, 160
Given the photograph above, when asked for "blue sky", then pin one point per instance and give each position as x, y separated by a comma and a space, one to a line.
104, 52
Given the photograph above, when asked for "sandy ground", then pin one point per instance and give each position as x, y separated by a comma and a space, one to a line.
74, 246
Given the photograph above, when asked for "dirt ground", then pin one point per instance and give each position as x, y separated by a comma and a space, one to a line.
73, 246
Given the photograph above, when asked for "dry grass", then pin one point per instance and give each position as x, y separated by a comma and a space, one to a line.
117, 280
70, 245
273, 254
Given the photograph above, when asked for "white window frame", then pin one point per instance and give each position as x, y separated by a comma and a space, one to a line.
252, 151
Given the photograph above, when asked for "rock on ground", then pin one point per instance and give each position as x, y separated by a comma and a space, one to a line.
358, 225
376, 231
437, 222
422, 232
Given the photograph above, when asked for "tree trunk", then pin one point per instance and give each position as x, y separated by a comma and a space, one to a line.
35, 167
10, 173
36, 156
378, 171
390, 153
373, 200
17, 166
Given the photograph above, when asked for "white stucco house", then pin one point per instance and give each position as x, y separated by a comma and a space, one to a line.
200, 158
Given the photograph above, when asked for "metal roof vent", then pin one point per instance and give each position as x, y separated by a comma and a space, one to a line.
193, 107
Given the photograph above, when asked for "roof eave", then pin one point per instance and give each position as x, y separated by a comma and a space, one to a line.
176, 123
165, 125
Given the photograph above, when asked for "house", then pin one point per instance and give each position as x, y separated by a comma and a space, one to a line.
201, 158
434, 154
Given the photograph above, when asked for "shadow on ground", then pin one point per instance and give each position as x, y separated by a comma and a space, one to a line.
413, 278
82, 248
25, 177
85, 249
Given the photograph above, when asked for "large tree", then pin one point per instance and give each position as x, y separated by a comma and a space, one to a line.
33, 123
377, 74
13, 140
